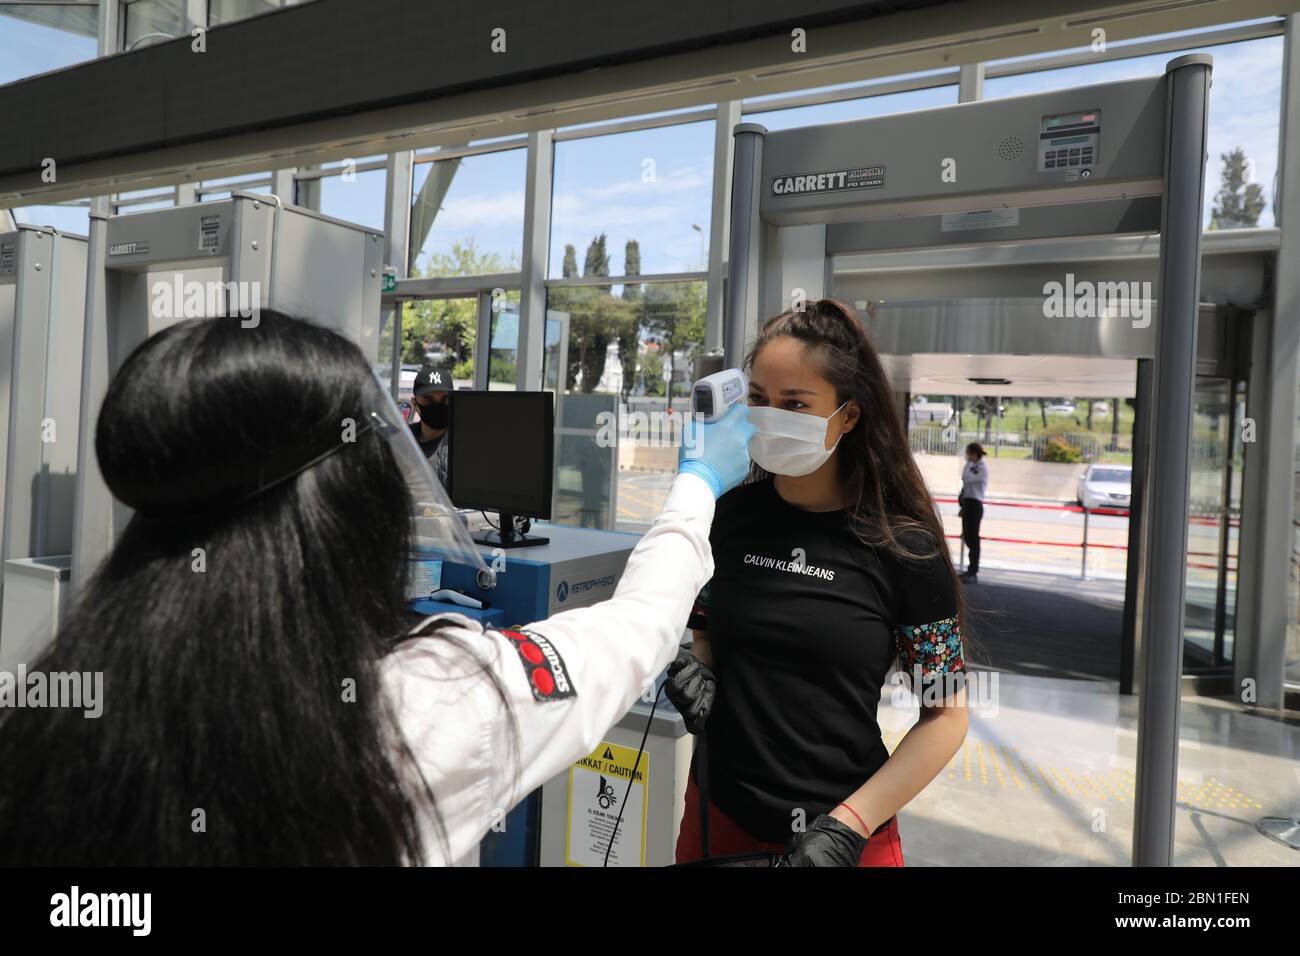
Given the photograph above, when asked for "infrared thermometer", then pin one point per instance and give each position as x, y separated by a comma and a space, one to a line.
714, 394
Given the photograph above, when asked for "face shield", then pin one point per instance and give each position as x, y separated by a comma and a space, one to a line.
439, 533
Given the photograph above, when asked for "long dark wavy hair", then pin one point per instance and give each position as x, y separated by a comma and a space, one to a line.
224, 688
887, 501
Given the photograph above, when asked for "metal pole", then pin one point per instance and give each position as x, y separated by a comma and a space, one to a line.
532, 271
1136, 540
1188, 83
742, 266
395, 356
92, 531
1083, 570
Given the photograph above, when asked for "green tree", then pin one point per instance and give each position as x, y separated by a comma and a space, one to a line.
632, 267
446, 328
629, 337
674, 314
652, 374
596, 319
1238, 203
597, 262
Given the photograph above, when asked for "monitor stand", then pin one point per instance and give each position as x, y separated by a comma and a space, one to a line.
507, 537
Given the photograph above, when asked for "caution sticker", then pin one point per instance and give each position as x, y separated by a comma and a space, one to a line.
598, 791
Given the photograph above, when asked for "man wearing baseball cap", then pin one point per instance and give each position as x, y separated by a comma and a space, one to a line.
431, 393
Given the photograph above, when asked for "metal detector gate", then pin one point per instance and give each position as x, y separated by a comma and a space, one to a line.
1116, 158
42, 304
207, 260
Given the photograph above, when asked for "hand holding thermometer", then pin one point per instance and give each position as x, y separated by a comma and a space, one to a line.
715, 439
714, 394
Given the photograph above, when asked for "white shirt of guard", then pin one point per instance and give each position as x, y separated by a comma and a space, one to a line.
482, 747
974, 479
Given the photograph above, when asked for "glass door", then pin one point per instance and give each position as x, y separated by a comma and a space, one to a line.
1212, 524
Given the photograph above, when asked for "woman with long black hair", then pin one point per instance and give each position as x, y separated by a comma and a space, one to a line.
265, 700
830, 563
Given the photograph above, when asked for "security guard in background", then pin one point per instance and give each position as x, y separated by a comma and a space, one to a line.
432, 396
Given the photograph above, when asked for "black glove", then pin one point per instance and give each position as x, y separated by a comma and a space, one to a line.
828, 842
691, 687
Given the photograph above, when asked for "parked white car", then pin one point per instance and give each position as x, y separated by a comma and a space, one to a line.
1106, 486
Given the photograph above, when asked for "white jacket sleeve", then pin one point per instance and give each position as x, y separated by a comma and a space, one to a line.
484, 742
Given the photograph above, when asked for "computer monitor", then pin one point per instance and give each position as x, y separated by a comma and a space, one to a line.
501, 458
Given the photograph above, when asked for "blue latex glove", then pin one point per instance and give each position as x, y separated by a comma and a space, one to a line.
718, 451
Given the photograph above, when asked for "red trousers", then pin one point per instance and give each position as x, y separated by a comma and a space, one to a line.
726, 838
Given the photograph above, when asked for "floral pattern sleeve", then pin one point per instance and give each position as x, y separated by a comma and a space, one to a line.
930, 650
927, 631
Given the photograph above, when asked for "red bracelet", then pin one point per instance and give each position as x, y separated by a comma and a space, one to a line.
867, 834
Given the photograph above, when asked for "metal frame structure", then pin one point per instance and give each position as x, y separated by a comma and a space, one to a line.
42, 282
249, 241
1136, 164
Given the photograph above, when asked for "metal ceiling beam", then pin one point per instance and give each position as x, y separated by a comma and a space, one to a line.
149, 118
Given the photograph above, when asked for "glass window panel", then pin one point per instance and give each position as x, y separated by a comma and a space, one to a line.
640, 116
352, 197
225, 193
227, 11
755, 104
441, 331
857, 109
73, 219
646, 194
629, 355
1206, 523
146, 22
166, 192
38, 38
234, 180
467, 215
142, 207
1119, 45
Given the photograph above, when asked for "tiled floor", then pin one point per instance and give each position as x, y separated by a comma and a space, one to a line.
1046, 778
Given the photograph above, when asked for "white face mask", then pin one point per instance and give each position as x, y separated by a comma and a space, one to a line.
789, 443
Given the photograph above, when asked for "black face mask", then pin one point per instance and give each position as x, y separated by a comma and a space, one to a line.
435, 414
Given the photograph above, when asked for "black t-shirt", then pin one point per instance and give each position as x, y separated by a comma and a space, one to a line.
429, 447
804, 621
